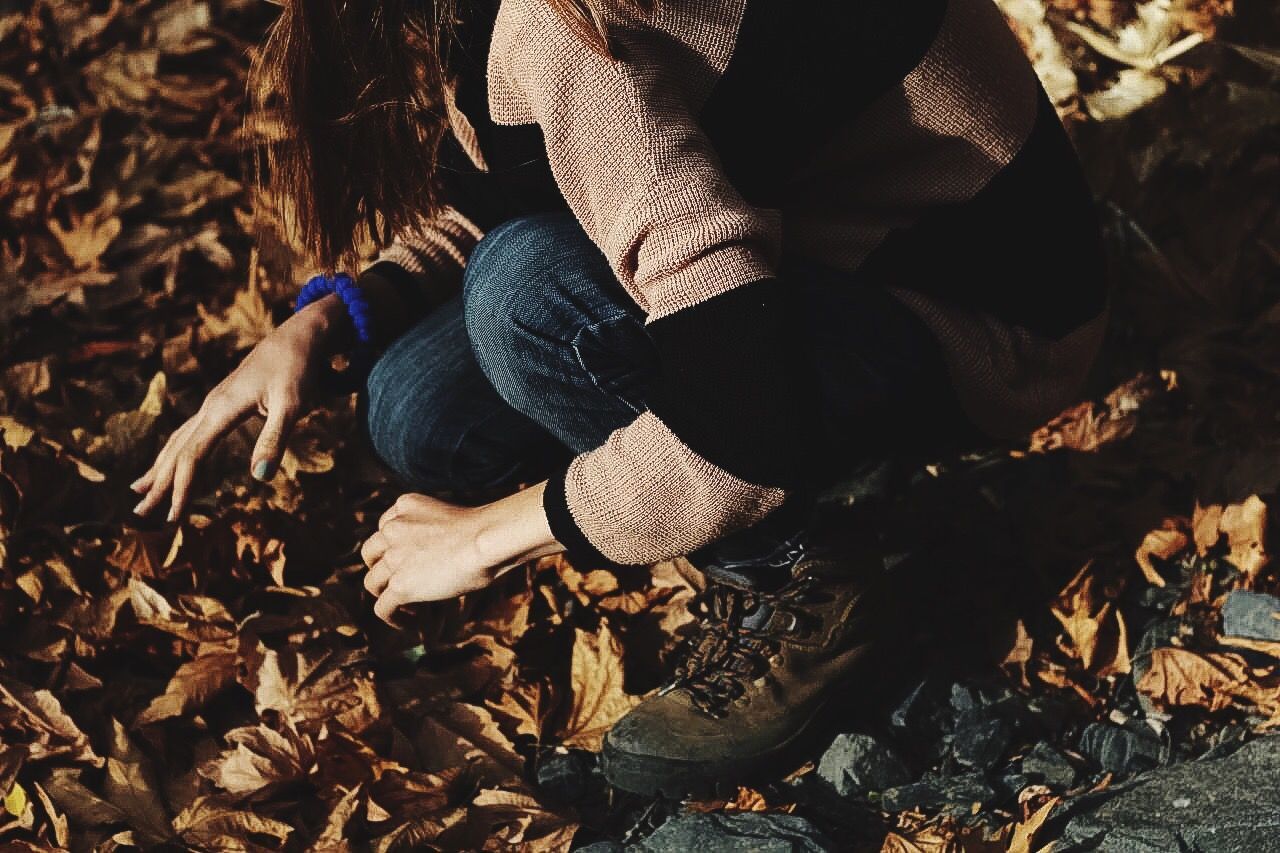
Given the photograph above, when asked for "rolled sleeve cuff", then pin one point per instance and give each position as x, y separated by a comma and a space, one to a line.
564, 527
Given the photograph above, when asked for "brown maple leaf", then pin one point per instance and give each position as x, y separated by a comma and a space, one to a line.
312, 689
598, 699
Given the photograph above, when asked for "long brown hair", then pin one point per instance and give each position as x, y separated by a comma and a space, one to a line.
354, 93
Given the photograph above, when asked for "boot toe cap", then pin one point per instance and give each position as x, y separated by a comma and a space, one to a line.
669, 727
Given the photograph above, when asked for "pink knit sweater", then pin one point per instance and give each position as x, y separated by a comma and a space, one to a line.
627, 152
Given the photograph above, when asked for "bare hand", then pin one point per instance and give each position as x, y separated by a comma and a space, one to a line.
429, 550
272, 380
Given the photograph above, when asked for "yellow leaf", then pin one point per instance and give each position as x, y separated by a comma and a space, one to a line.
1245, 526
16, 435
15, 802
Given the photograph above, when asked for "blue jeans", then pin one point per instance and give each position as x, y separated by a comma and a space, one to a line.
543, 355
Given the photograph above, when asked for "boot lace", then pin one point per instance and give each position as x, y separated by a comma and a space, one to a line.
726, 654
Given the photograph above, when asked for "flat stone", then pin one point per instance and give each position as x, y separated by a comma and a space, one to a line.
1120, 750
1251, 615
1224, 805
730, 833
979, 744
1049, 767
961, 791
857, 764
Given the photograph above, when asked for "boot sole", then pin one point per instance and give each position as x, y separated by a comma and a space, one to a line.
651, 776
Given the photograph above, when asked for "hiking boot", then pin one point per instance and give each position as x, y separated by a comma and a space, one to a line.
767, 659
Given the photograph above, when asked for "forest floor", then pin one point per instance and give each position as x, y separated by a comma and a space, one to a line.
1105, 658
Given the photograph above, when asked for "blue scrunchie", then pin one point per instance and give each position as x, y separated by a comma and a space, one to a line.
360, 359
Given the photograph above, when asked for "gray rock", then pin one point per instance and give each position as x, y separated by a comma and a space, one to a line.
965, 699
1009, 785
563, 777
857, 764
1048, 766
1158, 634
978, 745
1225, 805
956, 791
1120, 750
1252, 615
730, 833
921, 714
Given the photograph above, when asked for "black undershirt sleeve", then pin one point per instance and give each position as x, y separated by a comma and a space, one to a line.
736, 386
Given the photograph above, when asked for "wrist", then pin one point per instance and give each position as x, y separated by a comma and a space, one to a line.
328, 320
513, 530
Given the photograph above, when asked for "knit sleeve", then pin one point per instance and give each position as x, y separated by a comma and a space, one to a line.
721, 442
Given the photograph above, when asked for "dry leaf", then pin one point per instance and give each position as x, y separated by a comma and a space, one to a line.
210, 825
246, 321
311, 690
1212, 681
1166, 543
35, 719
598, 699
194, 684
1087, 426
461, 735
332, 839
1095, 627
1024, 833
260, 758
131, 787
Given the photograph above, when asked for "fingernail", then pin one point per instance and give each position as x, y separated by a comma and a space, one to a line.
262, 470
134, 485
173, 514
137, 510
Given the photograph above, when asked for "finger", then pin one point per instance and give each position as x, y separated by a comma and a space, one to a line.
269, 448
184, 472
161, 473
386, 606
407, 504
378, 577
156, 491
393, 512
143, 483
374, 548
202, 438
148, 480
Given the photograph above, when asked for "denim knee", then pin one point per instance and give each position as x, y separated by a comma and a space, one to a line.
553, 330
429, 413
523, 293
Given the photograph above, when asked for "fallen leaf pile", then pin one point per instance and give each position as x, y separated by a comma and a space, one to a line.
221, 683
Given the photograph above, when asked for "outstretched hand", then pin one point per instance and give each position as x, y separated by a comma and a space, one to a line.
272, 380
